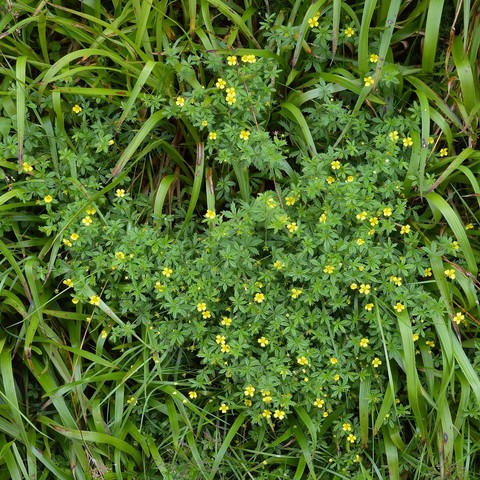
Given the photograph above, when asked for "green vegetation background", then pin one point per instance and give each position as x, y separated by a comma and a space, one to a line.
239, 240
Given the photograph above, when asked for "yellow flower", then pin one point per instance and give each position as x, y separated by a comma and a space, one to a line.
271, 203
263, 341
132, 400
226, 321
206, 314
180, 101
333, 361
290, 201
249, 58
349, 32
292, 227
415, 337
225, 348
76, 109
75, 300
323, 218
74, 236
159, 287
443, 152
373, 58
220, 339
399, 307
330, 180
259, 297
431, 140
313, 22
450, 273
328, 269
120, 255
27, 167
244, 134
266, 397
428, 272
248, 402
95, 300
91, 211
87, 221
364, 342
407, 142
350, 178
231, 60
221, 83
266, 413
336, 377
319, 403
302, 360
201, 307
376, 362
351, 438
405, 229
111, 141
193, 394
104, 334
373, 221
167, 272
224, 408
369, 307
120, 192
335, 165
393, 136
67, 242
204, 123
360, 241
212, 136
48, 199
469, 226
249, 391
368, 81
68, 282
353, 286
458, 317
279, 414
430, 343
362, 216
455, 245
365, 288
387, 212
278, 265
396, 280
210, 215
346, 427
296, 292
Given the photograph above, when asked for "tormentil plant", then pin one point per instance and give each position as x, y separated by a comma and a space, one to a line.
288, 303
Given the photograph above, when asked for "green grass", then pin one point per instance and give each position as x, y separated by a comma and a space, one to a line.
64, 409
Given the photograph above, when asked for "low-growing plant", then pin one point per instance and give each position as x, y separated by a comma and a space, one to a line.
309, 302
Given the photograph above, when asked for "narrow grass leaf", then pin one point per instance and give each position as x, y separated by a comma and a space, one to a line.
430, 39
146, 129
413, 383
368, 8
468, 85
439, 205
232, 431
21, 104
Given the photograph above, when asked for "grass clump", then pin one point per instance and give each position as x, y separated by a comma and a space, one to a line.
248, 253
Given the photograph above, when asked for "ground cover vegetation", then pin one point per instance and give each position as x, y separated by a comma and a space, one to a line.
239, 240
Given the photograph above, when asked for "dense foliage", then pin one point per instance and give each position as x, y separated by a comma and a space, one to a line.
239, 241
